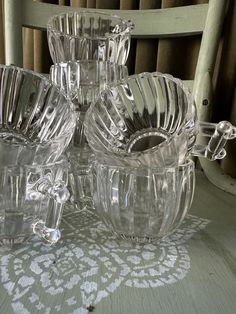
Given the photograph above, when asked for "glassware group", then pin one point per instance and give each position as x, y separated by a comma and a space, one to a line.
143, 132
123, 144
83, 81
37, 124
89, 50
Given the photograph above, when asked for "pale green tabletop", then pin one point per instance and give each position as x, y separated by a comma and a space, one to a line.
194, 271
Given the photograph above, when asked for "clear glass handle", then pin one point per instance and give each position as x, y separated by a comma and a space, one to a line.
58, 193
213, 136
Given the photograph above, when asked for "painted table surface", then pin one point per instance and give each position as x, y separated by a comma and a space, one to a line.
193, 271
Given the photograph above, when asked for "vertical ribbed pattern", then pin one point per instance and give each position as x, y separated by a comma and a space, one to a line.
95, 37
145, 111
143, 204
23, 96
35, 118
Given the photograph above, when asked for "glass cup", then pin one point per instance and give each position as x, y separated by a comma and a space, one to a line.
149, 119
37, 119
83, 82
143, 204
31, 201
89, 35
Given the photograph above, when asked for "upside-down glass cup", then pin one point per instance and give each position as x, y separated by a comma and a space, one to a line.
37, 119
89, 35
31, 201
150, 120
83, 81
143, 204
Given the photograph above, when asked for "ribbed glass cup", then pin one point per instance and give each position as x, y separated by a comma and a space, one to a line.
83, 81
31, 202
37, 119
143, 204
89, 35
149, 119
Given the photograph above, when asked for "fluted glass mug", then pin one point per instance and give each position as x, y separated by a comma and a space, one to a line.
37, 119
143, 131
89, 35
143, 204
32, 199
150, 119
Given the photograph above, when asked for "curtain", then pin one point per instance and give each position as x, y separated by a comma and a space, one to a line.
177, 56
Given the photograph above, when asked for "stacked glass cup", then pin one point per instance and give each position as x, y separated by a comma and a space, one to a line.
143, 131
131, 152
36, 126
89, 50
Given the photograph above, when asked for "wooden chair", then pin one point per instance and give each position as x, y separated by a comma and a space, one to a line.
205, 19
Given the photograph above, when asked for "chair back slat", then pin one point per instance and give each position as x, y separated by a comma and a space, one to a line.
170, 22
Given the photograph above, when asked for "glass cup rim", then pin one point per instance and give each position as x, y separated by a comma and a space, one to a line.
49, 82
129, 24
168, 76
187, 164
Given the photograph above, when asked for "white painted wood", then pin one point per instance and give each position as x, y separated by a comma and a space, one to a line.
202, 88
209, 44
189, 84
179, 21
216, 175
13, 32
